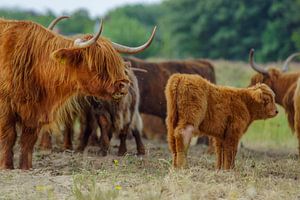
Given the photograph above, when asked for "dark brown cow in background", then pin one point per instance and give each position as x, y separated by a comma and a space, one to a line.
152, 85
40, 70
283, 84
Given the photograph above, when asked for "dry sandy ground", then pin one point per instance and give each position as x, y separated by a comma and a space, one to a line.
69, 175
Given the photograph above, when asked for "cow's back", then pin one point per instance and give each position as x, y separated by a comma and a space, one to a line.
152, 83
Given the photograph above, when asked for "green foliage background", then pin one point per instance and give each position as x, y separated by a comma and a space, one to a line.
192, 28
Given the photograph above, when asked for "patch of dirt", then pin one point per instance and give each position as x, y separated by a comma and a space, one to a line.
70, 175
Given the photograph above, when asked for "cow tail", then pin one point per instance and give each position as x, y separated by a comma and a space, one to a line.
172, 112
297, 112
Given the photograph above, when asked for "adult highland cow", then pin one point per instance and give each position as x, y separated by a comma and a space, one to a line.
284, 85
40, 70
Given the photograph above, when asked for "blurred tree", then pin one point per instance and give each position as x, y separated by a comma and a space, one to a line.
192, 28
228, 29
132, 25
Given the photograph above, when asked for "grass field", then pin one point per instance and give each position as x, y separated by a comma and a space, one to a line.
266, 167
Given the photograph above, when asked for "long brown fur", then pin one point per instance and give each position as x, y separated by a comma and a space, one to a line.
112, 117
284, 86
40, 70
152, 83
198, 107
116, 118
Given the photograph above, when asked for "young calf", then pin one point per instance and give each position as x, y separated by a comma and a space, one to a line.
198, 107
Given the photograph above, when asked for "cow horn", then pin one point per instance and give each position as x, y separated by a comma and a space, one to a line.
254, 65
133, 50
55, 21
83, 44
138, 70
288, 60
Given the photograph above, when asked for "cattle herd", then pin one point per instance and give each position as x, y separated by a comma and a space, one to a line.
48, 81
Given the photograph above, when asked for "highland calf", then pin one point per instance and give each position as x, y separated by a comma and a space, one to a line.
284, 85
198, 107
119, 118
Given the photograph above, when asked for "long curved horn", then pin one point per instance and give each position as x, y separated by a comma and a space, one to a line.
138, 69
55, 21
285, 66
254, 65
133, 50
83, 44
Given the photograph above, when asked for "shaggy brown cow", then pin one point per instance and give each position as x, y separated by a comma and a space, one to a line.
40, 70
196, 106
284, 85
118, 118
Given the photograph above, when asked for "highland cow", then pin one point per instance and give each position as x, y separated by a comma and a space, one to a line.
43, 70
284, 85
118, 118
198, 107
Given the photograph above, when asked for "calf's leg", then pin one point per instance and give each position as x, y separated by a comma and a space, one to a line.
183, 136
106, 128
123, 137
139, 144
219, 149
230, 150
45, 143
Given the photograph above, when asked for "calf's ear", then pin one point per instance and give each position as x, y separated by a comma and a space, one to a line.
68, 56
257, 95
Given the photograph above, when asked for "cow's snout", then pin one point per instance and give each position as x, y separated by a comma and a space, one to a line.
121, 89
276, 111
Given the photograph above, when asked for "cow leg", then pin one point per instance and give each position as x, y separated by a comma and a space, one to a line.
122, 147
139, 144
8, 137
172, 146
219, 152
123, 137
183, 136
68, 135
297, 126
106, 134
27, 141
46, 143
84, 136
210, 148
230, 149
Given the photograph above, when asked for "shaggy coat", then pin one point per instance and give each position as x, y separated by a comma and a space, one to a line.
40, 70
118, 118
198, 107
152, 85
284, 85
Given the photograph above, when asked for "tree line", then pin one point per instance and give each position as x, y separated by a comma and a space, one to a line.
191, 28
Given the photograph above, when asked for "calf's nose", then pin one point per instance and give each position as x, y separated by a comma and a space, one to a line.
122, 87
